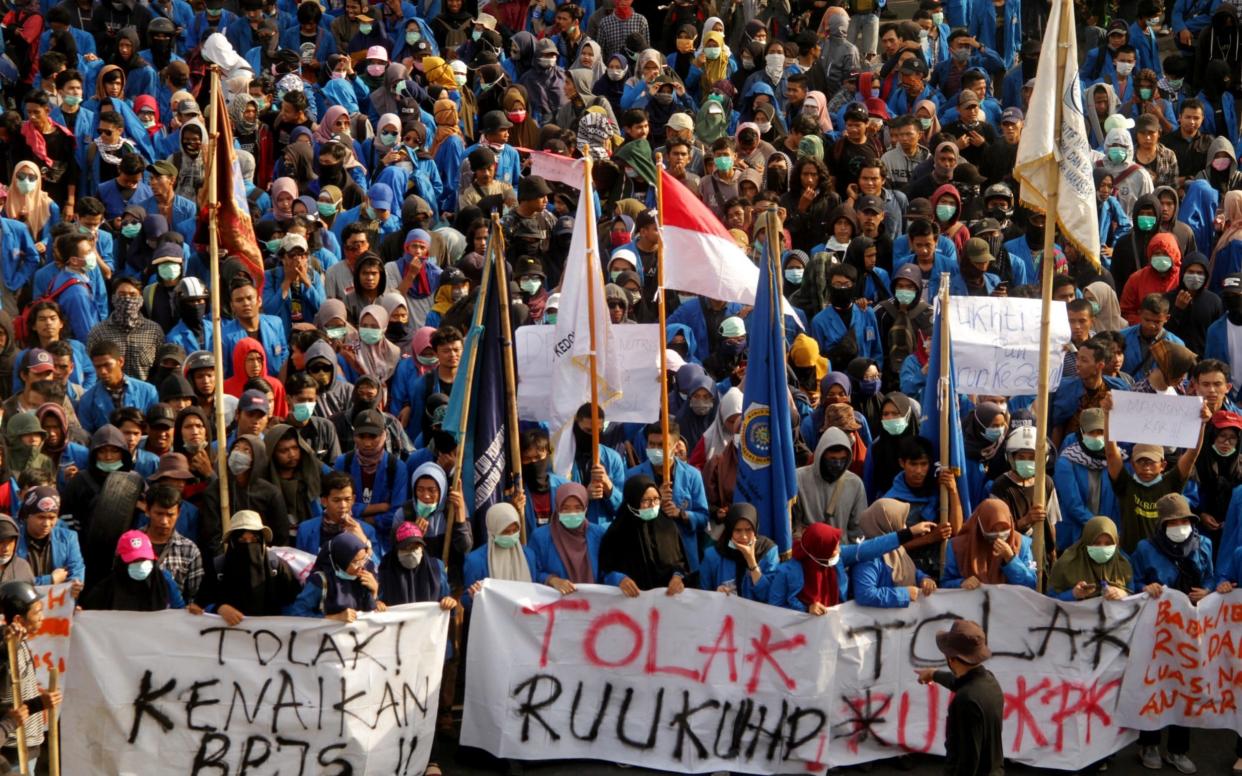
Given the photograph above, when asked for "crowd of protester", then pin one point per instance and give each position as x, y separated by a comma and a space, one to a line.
375, 143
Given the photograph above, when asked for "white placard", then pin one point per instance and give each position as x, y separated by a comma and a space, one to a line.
50, 646
169, 692
995, 344
1155, 419
704, 682
638, 345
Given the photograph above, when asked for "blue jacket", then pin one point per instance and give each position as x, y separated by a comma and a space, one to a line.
984, 59
1152, 565
78, 303
390, 226
716, 570
66, 552
96, 404
1073, 485
1198, 211
18, 255
271, 334
873, 585
1231, 532
310, 537
827, 328
308, 297
184, 211
508, 164
782, 586
392, 490
532, 520
1229, 110
548, 560
1193, 15
601, 512
114, 204
1134, 364
690, 496
690, 314
181, 335
1018, 571
1147, 48
1065, 400
476, 568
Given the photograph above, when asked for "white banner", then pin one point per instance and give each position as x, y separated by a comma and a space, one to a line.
704, 682
1188, 663
996, 344
50, 646
1155, 419
292, 695
638, 346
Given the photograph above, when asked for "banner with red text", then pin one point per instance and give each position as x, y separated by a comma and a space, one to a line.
1186, 662
169, 692
50, 646
703, 682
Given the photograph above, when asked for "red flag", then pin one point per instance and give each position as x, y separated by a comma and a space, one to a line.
234, 230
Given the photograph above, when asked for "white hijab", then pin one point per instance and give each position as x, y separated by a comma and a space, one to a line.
507, 564
716, 438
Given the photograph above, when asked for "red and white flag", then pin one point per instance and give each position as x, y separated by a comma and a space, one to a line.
700, 257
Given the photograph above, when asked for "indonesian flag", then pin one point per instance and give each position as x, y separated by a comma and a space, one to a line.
234, 230
1058, 158
700, 256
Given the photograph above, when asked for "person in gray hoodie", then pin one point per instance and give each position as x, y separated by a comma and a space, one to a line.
828, 492
579, 97
334, 392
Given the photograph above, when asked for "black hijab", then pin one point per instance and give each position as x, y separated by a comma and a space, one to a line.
119, 592
738, 512
408, 586
883, 453
646, 551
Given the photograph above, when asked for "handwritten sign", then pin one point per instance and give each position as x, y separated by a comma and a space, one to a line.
50, 646
638, 346
1187, 664
1155, 418
272, 695
702, 682
996, 344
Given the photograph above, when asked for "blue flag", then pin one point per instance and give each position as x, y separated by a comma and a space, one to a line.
766, 476
929, 423
481, 425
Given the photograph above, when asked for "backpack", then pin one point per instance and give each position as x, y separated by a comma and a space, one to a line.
21, 324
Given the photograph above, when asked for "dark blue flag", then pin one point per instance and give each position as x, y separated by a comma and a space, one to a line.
929, 423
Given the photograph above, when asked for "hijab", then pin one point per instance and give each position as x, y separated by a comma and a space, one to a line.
237, 112
646, 551
571, 544
507, 563
820, 583
716, 438
445, 112
399, 334
763, 545
973, 549
1109, 317
1182, 555
280, 186
1075, 564
406, 586
244, 577
324, 132
1231, 212
693, 425
35, 208
885, 516
119, 592
341, 594
978, 446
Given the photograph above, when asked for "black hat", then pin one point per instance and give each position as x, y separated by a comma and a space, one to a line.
369, 422
161, 415
869, 202
532, 187
481, 157
494, 120
528, 265
17, 597
914, 66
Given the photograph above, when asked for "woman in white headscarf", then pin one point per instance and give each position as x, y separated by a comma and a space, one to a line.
719, 464
1105, 306
590, 57
29, 203
503, 557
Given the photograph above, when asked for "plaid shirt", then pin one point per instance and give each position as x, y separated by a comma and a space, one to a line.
138, 345
1163, 167
613, 32
183, 561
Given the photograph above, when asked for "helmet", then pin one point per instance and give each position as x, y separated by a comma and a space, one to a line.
16, 598
199, 359
191, 287
1021, 438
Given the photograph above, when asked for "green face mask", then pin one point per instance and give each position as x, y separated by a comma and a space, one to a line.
1093, 443
1024, 469
370, 336
130, 231
272, 245
904, 296
1101, 554
572, 520
423, 509
506, 541
109, 466
649, 513
1144, 93
1095, 307
1146, 223
326, 209
895, 426
336, 332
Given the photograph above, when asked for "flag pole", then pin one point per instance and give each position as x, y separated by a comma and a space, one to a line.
213, 250
945, 398
459, 455
1047, 270
506, 342
591, 248
666, 464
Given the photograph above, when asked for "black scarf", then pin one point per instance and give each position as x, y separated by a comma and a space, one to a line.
1182, 556
646, 551
737, 513
120, 593
244, 578
420, 584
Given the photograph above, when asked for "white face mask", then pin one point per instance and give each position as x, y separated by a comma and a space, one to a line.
1125, 68
1178, 533
411, 560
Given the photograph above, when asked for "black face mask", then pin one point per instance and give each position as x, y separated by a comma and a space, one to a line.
841, 297
681, 349
1233, 307
831, 469
192, 313
535, 475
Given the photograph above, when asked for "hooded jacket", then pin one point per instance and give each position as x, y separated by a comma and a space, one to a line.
568, 114
1130, 250
1227, 179
837, 503
77, 503
301, 493
258, 494
1130, 180
1191, 322
1180, 231
1147, 280
337, 395
236, 384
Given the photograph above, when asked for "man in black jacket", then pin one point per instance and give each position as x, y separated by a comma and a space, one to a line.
972, 739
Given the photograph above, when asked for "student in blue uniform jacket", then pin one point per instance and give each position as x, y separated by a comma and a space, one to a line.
539, 483
43, 533
988, 551
684, 499
740, 558
891, 581
566, 549
337, 497
603, 481
503, 557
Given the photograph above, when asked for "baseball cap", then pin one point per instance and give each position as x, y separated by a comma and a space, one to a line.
161, 415
1150, 452
977, 251
920, 207
291, 241
1224, 419
168, 253
189, 107
914, 65
254, 401
1012, 116
39, 360
870, 202
409, 534
380, 196
967, 98
1233, 282
876, 108
163, 167
134, 545
369, 422
1093, 419
377, 52
733, 326
911, 272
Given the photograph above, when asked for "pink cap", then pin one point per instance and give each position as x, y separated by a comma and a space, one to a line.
407, 531
377, 52
134, 545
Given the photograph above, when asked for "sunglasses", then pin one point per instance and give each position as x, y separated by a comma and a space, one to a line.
25, 176
320, 369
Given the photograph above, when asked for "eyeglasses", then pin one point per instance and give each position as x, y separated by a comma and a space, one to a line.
296, 253
647, 503
106, 132
25, 176
615, 305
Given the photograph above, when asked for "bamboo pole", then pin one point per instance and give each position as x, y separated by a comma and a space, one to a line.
667, 464
217, 349
592, 275
459, 455
53, 726
15, 685
1047, 269
506, 341
946, 396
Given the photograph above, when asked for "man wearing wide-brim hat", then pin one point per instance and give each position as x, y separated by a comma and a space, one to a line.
972, 737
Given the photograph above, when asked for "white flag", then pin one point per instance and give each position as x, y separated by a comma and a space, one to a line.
1042, 140
571, 376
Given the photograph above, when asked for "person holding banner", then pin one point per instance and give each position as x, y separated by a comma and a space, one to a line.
135, 583
1093, 566
248, 580
1177, 556
566, 548
643, 545
989, 551
342, 583
22, 607
503, 557
891, 581
408, 575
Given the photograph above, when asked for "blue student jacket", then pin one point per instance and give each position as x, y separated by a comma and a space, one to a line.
548, 561
1018, 571
717, 570
689, 495
781, 587
66, 552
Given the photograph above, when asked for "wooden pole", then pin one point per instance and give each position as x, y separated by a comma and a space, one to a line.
591, 276
946, 398
1047, 268
459, 455
667, 464
213, 250
53, 726
15, 685
506, 342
